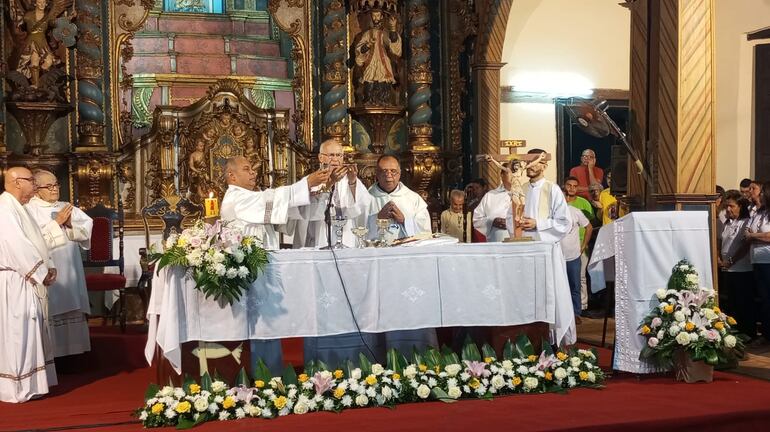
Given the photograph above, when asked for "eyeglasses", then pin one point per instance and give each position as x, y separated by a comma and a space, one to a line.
389, 171
334, 155
51, 187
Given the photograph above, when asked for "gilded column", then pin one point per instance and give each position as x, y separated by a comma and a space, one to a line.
335, 76
90, 77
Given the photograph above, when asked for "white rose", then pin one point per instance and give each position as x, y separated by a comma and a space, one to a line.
661, 293
709, 314
507, 365
454, 392
218, 386
683, 338
497, 382
530, 383
693, 337
591, 377
560, 373
253, 411
377, 369
167, 391
355, 374
692, 279
423, 391
730, 341
661, 334
231, 273
200, 404
301, 407
574, 362
361, 400
679, 316
387, 393
674, 330
653, 342
410, 371
453, 369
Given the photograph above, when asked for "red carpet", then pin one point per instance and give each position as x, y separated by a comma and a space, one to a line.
105, 397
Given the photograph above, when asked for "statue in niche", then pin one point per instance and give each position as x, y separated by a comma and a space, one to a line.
190, 6
37, 51
197, 170
376, 53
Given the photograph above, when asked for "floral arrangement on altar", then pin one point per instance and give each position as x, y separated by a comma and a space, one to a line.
432, 375
686, 321
221, 260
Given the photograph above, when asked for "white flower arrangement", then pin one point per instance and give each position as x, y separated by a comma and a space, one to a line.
222, 261
433, 376
686, 318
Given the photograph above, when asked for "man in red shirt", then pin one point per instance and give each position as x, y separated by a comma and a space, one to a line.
587, 173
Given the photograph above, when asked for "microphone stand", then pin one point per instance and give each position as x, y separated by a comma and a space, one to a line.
328, 216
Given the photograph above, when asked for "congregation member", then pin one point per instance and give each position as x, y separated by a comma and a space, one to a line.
26, 271
546, 213
755, 196
604, 202
489, 217
454, 221
392, 200
474, 192
585, 207
349, 196
257, 213
573, 247
734, 261
62, 223
758, 234
587, 173
744, 188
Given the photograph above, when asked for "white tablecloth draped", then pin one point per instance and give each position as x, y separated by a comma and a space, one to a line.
398, 288
646, 246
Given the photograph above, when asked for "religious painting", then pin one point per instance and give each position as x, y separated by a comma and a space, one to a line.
395, 142
360, 137
194, 6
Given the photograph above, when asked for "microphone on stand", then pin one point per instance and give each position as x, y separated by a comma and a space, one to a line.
328, 215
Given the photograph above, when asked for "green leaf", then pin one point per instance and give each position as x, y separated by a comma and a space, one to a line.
364, 364
206, 381
523, 346
395, 361
546, 347
451, 358
243, 378
188, 380
151, 391
290, 376
432, 358
261, 372
508, 350
488, 351
440, 394
311, 368
471, 351
185, 423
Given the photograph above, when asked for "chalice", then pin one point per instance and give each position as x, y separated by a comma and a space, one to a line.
382, 227
338, 222
360, 233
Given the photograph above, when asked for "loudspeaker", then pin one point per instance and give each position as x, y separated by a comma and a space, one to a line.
619, 166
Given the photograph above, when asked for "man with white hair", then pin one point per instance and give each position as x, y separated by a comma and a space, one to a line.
26, 272
68, 298
587, 173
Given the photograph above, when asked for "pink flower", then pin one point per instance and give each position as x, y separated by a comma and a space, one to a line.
652, 342
712, 335
656, 322
477, 369
322, 383
545, 361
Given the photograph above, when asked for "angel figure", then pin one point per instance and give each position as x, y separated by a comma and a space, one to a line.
36, 55
196, 173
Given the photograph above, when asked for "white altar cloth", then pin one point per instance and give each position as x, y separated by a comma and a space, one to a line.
398, 288
646, 246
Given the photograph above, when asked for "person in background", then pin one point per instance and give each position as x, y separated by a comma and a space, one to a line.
758, 233
489, 215
720, 207
734, 262
587, 173
573, 248
454, 221
755, 196
744, 187
605, 203
582, 204
474, 192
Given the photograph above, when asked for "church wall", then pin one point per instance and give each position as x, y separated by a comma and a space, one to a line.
734, 59
543, 58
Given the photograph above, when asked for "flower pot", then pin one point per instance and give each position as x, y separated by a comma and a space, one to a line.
691, 371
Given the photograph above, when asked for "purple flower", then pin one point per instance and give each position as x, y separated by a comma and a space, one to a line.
243, 393
545, 361
322, 383
477, 369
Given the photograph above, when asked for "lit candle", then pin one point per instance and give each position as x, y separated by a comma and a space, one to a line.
212, 206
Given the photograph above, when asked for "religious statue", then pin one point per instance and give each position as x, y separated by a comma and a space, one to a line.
37, 51
376, 52
196, 169
190, 6
514, 171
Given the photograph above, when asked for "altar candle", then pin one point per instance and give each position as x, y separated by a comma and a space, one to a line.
212, 206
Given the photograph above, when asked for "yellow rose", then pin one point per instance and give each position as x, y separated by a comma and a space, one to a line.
396, 377
302, 378
516, 381
474, 383
339, 392
371, 380
532, 358
228, 403
157, 408
195, 389
719, 325
423, 368
259, 383
182, 242
338, 374
548, 376
183, 407
689, 326
488, 360
583, 375
668, 309
731, 321
645, 330
561, 356
717, 310
280, 402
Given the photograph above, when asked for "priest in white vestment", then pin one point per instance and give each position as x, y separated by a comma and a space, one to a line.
26, 270
260, 213
349, 199
406, 209
67, 298
489, 217
409, 216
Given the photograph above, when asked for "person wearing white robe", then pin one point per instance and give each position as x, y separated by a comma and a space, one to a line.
350, 199
67, 298
257, 213
489, 217
26, 270
349, 196
392, 200
409, 214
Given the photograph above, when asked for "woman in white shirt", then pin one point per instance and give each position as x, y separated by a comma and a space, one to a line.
758, 234
735, 263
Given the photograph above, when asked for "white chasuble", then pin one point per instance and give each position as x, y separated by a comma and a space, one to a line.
68, 296
26, 360
495, 204
546, 204
414, 208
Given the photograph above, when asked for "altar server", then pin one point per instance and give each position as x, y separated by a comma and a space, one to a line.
62, 223
26, 271
489, 217
546, 213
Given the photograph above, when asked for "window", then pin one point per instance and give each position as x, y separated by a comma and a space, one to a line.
195, 6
